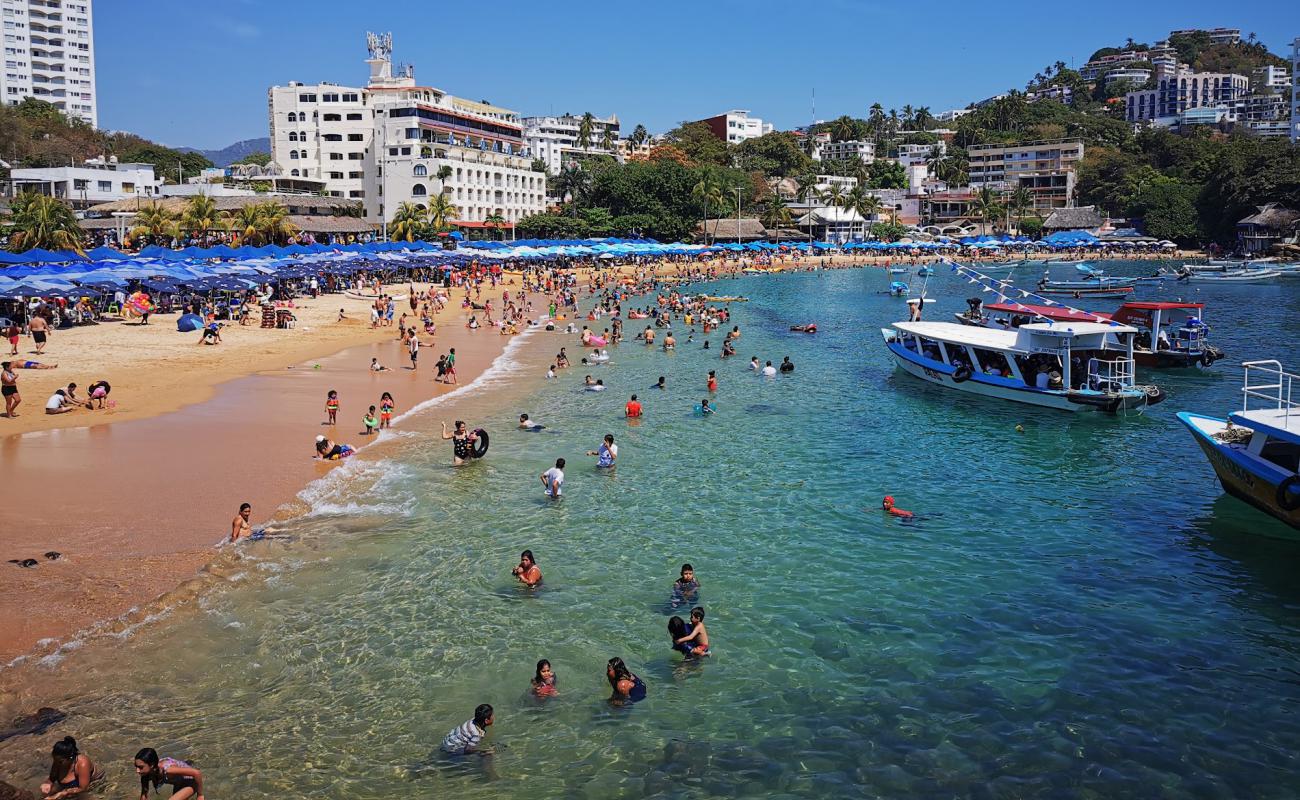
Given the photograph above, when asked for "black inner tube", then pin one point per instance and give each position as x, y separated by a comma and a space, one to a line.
479, 447
961, 373
1288, 500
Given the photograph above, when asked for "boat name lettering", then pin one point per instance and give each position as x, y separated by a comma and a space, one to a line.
1237, 471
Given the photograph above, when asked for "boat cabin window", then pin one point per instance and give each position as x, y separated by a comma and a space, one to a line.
1032, 366
1283, 453
992, 363
956, 354
930, 349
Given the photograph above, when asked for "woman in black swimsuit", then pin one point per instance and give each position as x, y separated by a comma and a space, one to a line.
460, 442
71, 772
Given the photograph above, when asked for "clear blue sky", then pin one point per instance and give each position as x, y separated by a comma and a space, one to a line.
195, 72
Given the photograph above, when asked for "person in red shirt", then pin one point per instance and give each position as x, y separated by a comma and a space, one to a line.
888, 505
633, 407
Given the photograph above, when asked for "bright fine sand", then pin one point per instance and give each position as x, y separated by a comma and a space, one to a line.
136, 498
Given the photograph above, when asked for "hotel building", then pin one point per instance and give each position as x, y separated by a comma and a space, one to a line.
555, 139
736, 126
393, 141
847, 150
50, 55
1179, 89
1046, 169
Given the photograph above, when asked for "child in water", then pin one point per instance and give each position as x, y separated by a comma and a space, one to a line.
697, 639
386, 406
705, 408
331, 407
686, 589
371, 422
544, 680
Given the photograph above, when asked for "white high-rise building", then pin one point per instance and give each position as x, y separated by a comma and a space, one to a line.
50, 55
555, 139
392, 141
1295, 93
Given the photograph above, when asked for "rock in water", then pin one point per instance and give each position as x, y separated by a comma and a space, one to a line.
32, 724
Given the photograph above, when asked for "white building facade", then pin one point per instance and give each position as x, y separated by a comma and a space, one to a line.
1179, 89
393, 141
736, 126
1295, 90
50, 55
848, 150
556, 140
97, 181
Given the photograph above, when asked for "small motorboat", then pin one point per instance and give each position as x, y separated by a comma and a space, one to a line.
809, 328
899, 289
925, 272
898, 270
1236, 276
1079, 294
1254, 451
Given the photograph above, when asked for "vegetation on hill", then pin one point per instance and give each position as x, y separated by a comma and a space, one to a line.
35, 133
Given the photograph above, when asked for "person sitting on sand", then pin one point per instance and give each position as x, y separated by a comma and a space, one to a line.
58, 403
375, 366
327, 450
527, 572
211, 333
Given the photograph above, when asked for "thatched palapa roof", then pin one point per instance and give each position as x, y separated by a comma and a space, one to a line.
1080, 218
1274, 216
750, 229
295, 204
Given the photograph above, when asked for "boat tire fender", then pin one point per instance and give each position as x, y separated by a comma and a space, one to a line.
961, 374
1289, 500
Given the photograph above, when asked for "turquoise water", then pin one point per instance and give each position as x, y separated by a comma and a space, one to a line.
1081, 614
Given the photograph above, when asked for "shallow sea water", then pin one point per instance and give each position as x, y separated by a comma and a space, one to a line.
1080, 614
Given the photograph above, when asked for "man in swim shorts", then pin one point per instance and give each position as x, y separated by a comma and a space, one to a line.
239, 526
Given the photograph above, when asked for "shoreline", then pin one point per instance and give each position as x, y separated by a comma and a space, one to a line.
127, 531
116, 566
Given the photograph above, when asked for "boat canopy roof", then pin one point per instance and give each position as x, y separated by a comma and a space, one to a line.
1036, 337
1050, 312
1162, 306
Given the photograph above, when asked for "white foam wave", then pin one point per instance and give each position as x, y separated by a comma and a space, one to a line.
502, 367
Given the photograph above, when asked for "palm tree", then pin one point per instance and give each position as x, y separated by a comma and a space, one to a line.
843, 128
440, 212
909, 116
42, 221
496, 221
409, 222
708, 191
607, 139
154, 220
571, 183
1021, 200
866, 204
201, 215
832, 195
276, 226
924, 119
986, 206
777, 214
585, 129
248, 222
640, 135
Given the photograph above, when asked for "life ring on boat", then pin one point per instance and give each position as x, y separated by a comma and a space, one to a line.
1287, 500
962, 373
480, 446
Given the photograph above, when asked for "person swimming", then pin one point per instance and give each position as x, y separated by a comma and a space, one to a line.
528, 425
662, 384
887, 504
543, 683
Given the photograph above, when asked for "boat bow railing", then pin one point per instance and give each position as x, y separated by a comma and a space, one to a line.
1272, 385
1110, 375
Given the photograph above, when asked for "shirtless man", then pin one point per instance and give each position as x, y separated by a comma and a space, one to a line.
527, 572
239, 526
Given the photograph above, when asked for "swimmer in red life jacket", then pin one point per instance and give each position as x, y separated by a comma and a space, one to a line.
888, 505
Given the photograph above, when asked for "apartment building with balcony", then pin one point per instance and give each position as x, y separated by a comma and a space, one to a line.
1180, 88
847, 150
393, 141
96, 181
1217, 35
49, 54
736, 126
557, 140
1046, 169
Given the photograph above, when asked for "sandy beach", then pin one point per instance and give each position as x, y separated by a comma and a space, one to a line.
137, 499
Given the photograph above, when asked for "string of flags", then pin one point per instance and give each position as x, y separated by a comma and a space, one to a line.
1010, 295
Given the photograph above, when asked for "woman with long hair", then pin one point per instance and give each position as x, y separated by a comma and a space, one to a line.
71, 771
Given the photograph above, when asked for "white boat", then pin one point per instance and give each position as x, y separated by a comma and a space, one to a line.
1239, 276
1081, 366
898, 270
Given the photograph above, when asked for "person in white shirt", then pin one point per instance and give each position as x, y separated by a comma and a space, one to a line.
466, 737
607, 453
769, 370
58, 403
753, 364
553, 479
550, 372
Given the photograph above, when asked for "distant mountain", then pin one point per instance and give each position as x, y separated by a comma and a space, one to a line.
229, 155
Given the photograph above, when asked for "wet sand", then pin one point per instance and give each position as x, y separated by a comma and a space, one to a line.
137, 507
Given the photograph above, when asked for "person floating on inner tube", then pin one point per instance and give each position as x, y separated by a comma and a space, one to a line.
888, 505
